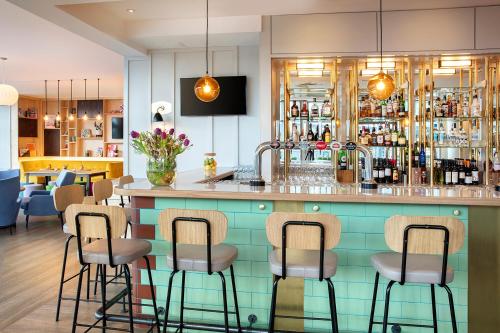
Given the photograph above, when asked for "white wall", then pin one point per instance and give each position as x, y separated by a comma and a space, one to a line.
233, 138
8, 137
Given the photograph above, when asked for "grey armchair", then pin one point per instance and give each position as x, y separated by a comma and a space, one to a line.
9, 201
41, 203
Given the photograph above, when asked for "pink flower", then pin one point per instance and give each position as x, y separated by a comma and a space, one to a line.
186, 142
171, 131
157, 131
182, 136
134, 134
163, 135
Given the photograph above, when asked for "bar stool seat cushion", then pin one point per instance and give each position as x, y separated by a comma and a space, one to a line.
194, 257
303, 263
420, 268
125, 251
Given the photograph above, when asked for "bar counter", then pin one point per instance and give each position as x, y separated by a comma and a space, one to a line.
362, 214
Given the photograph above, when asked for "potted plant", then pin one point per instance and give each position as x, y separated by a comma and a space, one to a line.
161, 148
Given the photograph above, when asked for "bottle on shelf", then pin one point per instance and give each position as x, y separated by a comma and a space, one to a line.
475, 106
295, 133
447, 172
381, 171
310, 134
380, 136
374, 137
326, 110
368, 139
395, 173
465, 107
468, 173
438, 108
444, 107
387, 136
402, 108
454, 173
383, 108
390, 109
314, 109
441, 135
364, 107
415, 155
388, 171
460, 111
375, 170
461, 171
327, 135
475, 172
453, 104
316, 135
395, 106
304, 112
422, 157
402, 138
435, 132
294, 111
394, 137
475, 132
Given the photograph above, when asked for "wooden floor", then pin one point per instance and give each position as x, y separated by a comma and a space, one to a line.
30, 268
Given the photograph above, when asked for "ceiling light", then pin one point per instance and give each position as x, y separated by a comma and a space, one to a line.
317, 65
130, 10
371, 72
8, 94
378, 64
444, 63
444, 71
309, 73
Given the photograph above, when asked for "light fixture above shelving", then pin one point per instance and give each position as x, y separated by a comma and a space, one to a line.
454, 63
310, 73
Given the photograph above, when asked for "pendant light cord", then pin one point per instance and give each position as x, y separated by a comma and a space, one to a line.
46, 101
85, 89
58, 100
381, 34
206, 41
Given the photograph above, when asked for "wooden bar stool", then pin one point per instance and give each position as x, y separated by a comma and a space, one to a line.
421, 246
197, 237
107, 224
102, 191
302, 242
124, 180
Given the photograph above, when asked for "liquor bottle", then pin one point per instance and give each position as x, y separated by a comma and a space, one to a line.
362, 136
454, 173
475, 172
450, 111
444, 107
374, 137
453, 106
402, 138
316, 135
395, 106
295, 133
465, 107
476, 107
435, 133
438, 108
468, 173
441, 135
395, 173
387, 137
388, 172
368, 137
438, 173
362, 107
447, 172
415, 155
314, 109
475, 131
463, 138
421, 156
383, 108
375, 170
402, 111
461, 172
327, 134
342, 160
294, 113
390, 111
373, 108
380, 137
378, 109
460, 111
304, 112
326, 110
381, 171
394, 137
310, 134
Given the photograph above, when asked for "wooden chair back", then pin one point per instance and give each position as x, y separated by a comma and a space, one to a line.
303, 237
95, 226
67, 195
189, 232
124, 180
102, 190
424, 241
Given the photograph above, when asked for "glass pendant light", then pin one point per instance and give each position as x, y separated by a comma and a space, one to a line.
8, 94
71, 115
85, 116
58, 117
207, 88
381, 85
99, 117
46, 117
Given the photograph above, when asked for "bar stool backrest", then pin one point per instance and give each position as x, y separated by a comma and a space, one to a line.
102, 190
67, 195
96, 221
124, 180
189, 230
303, 236
425, 234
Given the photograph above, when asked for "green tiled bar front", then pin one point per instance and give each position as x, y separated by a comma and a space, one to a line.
362, 235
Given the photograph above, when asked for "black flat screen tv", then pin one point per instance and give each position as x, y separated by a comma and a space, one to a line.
117, 128
232, 98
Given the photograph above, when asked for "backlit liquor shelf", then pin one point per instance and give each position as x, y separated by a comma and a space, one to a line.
439, 127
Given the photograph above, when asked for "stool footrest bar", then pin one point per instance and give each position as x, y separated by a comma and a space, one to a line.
403, 324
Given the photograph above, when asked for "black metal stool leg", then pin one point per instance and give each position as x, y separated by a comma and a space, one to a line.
183, 287
452, 308
88, 276
129, 292
102, 271
374, 301
333, 306
97, 277
167, 305
59, 297
61, 219
434, 315
386, 309
78, 293
273, 304
224, 296
153, 296
235, 296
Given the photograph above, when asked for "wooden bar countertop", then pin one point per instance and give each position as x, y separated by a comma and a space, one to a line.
194, 184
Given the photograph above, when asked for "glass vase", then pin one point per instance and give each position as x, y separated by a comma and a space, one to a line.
161, 172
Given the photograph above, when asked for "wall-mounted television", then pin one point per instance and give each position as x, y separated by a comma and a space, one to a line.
117, 128
232, 99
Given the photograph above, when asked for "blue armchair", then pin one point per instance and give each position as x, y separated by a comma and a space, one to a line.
9, 201
41, 203
11, 173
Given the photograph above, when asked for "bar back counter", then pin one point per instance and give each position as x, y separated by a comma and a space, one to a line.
363, 213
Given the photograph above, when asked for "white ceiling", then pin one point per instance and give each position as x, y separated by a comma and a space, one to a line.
39, 50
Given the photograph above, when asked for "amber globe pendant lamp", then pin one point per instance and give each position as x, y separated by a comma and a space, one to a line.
381, 85
207, 88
